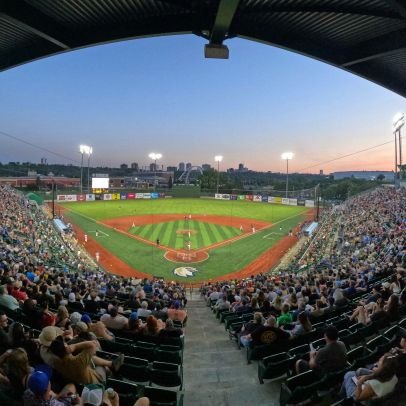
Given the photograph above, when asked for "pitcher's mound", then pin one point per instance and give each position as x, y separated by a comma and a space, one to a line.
186, 256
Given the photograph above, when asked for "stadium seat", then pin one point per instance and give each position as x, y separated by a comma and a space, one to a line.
127, 392
162, 397
380, 344
135, 370
299, 388
165, 374
165, 354
349, 338
368, 330
144, 350
274, 366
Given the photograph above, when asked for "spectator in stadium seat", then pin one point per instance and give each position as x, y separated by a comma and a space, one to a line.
152, 326
392, 308
372, 384
78, 368
248, 328
269, 334
332, 357
98, 328
170, 330
62, 316
158, 312
39, 392
222, 303
135, 324
143, 311
285, 317
176, 313
7, 300
114, 320
302, 326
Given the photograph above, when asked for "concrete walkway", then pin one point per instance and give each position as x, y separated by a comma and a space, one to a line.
215, 371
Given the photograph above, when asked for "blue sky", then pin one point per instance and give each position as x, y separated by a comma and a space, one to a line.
160, 94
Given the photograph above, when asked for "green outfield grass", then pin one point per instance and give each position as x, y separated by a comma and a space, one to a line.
146, 258
170, 234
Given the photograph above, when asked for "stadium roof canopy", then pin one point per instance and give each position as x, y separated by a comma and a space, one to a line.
365, 37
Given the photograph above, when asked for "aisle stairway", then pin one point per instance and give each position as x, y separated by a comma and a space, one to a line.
215, 372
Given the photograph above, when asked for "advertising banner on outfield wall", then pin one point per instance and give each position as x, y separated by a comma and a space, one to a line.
90, 197
71, 198
139, 195
233, 197
154, 195
130, 195
271, 199
300, 202
277, 200
80, 198
147, 196
221, 196
98, 197
264, 199
285, 200
60, 198
162, 195
257, 198
292, 202
115, 196
123, 196
249, 197
107, 196
241, 197
309, 203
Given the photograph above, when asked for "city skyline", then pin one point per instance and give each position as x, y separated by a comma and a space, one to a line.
130, 98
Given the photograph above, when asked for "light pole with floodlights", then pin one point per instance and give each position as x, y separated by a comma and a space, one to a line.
398, 123
90, 152
218, 159
84, 149
154, 156
287, 156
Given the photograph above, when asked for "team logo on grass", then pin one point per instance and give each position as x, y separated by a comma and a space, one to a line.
184, 271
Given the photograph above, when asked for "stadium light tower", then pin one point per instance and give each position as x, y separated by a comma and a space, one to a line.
287, 156
218, 159
84, 149
154, 156
398, 123
89, 152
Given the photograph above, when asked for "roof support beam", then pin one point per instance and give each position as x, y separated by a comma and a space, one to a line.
224, 18
28, 18
399, 6
375, 48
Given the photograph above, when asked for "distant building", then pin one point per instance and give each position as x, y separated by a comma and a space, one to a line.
171, 168
321, 172
123, 166
182, 166
134, 166
153, 167
188, 166
206, 167
242, 168
367, 175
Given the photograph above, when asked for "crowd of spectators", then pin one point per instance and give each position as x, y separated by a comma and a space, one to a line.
66, 307
361, 240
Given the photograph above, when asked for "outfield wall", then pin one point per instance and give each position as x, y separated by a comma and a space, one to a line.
154, 195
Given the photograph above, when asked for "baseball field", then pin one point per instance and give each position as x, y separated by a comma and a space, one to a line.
197, 239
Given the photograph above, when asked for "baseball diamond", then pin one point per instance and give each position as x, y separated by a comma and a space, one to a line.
151, 237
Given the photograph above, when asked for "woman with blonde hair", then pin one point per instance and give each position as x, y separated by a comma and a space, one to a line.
62, 316
17, 369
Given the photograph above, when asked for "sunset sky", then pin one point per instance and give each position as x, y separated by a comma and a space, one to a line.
130, 98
